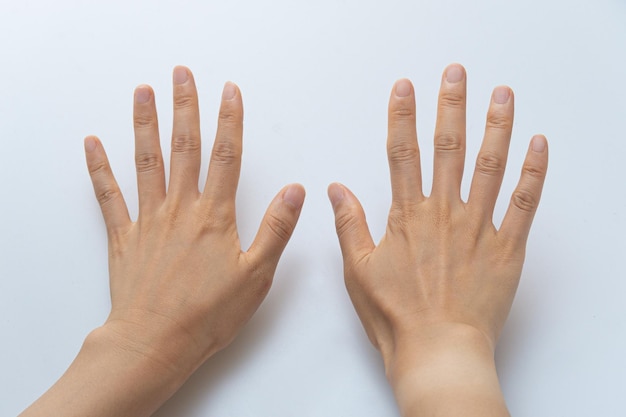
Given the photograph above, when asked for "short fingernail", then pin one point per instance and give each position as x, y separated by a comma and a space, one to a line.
538, 143
454, 73
90, 144
294, 196
229, 91
142, 94
335, 194
501, 94
180, 75
403, 88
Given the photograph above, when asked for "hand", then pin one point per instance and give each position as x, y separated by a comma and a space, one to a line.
442, 279
178, 272
181, 287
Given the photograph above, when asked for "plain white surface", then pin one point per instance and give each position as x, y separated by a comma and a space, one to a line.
315, 78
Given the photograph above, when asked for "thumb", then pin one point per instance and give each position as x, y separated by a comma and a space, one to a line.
277, 226
354, 235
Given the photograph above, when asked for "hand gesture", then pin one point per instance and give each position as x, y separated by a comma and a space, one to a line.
434, 294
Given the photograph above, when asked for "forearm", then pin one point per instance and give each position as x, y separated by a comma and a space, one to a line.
446, 375
107, 379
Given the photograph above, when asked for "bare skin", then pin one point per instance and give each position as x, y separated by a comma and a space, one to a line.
434, 294
181, 286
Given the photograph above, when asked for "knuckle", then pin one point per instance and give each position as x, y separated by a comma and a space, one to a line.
262, 282
98, 168
398, 220
279, 227
524, 200
225, 152
452, 100
105, 195
258, 269
489, 163
405, 214
216, 216
228, 116
117, 240
448, 142
143, 120
215, 223
172, 215
185, 143
498, 121
147, 162
184, 101
533, 170
401, 212
403, 112
403, 152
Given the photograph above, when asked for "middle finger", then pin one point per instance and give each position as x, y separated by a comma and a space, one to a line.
185, 159
450, 134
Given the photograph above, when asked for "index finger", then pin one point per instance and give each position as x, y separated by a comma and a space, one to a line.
225, 164
525, 199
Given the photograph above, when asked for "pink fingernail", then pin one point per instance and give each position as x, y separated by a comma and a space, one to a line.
538, 143
142, 94
454, 73
180, 75
335, 194
294, 196
403, 88
90, 144
229, 91
501, 94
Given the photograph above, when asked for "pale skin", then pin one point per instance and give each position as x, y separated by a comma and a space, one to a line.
181, 286
434, 294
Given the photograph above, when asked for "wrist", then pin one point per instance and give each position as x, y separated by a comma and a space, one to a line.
109, 342
444, 361
110, 376
420, 345
160, 348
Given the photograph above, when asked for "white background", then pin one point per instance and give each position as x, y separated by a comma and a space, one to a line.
315, 77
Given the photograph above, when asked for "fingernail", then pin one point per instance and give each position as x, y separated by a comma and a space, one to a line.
454, 73
501, 94
403, 88
335, 194
538, 143
229, 91
180, 75
90, 144
294, 196
142, 94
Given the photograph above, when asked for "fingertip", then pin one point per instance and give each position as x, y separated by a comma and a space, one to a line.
403, 88
454, 73
143, 93
230, 91
336, 193
294, 195
90, 143
501, 94
181, 74
539, 143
